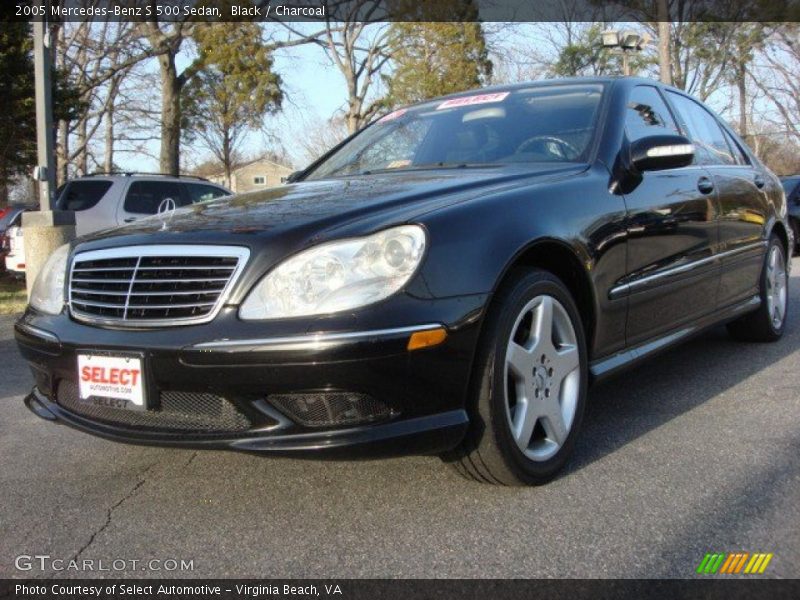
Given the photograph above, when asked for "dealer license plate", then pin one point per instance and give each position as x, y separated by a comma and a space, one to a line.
112, 381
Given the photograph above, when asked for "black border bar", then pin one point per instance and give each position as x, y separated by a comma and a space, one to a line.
405, 589
398, 10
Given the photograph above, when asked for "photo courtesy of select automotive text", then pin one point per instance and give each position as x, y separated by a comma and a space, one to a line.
414, 299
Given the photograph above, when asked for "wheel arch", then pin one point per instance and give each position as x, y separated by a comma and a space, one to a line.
780, 229
563, 261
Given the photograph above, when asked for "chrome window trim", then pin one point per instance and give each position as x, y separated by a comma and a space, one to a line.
312, 341
241, 253
633, 285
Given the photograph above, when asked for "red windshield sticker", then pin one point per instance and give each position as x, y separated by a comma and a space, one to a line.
393, 115
472, 100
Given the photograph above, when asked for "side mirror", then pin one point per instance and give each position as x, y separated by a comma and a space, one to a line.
659, 152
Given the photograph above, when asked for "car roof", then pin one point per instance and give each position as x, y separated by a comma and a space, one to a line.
608, 79
133, 176
602, 80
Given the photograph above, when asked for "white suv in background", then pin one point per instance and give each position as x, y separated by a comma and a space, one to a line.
101, 201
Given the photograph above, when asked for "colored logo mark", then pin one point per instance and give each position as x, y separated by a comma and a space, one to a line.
734, 563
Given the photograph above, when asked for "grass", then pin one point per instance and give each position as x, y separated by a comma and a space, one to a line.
12, 295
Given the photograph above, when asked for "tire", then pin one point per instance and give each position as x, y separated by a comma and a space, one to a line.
540, 389
796, 229
767, 323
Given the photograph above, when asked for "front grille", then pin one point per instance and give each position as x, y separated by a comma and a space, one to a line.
326, 409
178, 411
153, 285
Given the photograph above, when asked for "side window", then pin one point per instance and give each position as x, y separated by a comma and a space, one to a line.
396, 149
711, 148
738, 154
647, 114
144, 197
199, 192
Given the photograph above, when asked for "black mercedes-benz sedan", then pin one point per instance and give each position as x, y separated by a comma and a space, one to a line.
447, 281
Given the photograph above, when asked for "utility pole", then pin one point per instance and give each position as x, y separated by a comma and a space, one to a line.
664, 54
46, 229
45, 173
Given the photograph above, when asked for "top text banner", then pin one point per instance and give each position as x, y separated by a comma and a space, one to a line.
398, 10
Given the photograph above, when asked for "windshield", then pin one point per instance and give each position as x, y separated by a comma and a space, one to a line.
553, 123
789, 184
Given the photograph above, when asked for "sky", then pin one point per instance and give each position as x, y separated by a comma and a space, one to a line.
314, 90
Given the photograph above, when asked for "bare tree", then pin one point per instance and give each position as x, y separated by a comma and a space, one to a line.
95, 57
776, 72
357, 45
166, 40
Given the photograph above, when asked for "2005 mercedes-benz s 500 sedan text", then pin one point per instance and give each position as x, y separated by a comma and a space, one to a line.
449, 280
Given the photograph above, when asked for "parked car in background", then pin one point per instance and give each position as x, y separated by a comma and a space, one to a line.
791, 185
101, 201
448, 280
8, 215
12, 247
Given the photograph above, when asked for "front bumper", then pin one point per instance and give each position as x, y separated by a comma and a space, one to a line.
251, 368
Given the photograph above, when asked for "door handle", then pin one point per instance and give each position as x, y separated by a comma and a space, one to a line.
130, 219
759, 181
705, 185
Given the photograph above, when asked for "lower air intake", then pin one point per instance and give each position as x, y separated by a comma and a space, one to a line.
327, 409
179, 411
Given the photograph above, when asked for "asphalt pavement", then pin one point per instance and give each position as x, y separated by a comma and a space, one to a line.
697, 451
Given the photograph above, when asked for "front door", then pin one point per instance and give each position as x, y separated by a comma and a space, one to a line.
672, 226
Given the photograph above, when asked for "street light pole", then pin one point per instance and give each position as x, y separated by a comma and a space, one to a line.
46, 229
624, 43
45, 172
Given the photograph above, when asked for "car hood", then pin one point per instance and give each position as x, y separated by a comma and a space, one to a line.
316, 209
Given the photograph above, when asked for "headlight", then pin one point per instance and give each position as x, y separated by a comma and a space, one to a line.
338, 276
47, 295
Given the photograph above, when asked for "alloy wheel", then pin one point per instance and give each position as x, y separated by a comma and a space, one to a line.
776, 286
542, 374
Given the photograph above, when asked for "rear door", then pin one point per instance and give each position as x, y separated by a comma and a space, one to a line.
742, 190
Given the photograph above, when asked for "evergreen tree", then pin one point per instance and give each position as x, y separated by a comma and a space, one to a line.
232, 91
436, 58
18, 117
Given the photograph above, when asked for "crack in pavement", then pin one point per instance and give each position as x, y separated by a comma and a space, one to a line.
191, 459
110, 512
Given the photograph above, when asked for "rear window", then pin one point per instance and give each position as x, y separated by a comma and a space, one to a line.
82, 195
